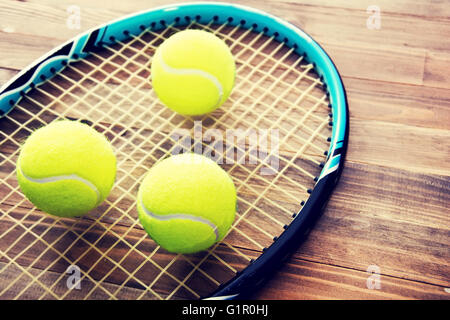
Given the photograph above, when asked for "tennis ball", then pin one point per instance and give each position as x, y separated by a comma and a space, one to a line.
66, 168
193, 72
186, 203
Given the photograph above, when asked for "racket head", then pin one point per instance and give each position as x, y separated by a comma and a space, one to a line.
92, 44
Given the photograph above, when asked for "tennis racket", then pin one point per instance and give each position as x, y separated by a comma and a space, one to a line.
288, 94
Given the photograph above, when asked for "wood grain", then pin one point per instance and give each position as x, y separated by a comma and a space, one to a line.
395, 222
309, 280
398, 103
391, 208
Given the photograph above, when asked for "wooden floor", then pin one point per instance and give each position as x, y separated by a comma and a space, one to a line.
390, 211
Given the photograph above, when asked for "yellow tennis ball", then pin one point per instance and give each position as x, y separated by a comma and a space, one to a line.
66, 168
193, 72
186, 203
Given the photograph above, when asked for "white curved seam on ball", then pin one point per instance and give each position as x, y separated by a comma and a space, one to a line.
182, 71
61, 178
168, 217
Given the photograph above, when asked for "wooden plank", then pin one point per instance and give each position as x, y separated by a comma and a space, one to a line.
369, 63
421, 106
342, 25
426, 9
298, 279
19, 51
393, 208
390, 208
396, 29
392, 218
105, 253
44, 281
6, 75
402, 58
436, 72
51, 18
402, 32
351, 61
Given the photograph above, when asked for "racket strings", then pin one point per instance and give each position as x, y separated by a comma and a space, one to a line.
110, 85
